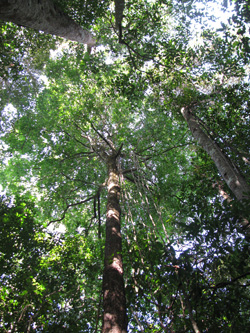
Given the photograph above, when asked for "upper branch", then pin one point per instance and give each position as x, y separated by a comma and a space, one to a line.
69, 206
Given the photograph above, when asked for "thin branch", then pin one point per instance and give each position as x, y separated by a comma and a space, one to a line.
87, 230
69, 206
85, 136
141, 151
119, 150
77, 140
137, 319
103, 138
77, 180
77, 154
166, 150
23, 310
144, 57
130, 179
129, 171
226, 283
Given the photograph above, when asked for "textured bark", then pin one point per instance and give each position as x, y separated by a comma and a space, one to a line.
230, 174
114, 302
45, 16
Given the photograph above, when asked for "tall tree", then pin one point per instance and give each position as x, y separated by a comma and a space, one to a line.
83, 131
44, 16
230, 174
114, 299
84, 135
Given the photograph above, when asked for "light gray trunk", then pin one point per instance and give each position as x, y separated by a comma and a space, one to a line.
43, 15
230, 174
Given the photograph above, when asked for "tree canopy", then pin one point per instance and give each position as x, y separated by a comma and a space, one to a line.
72, 120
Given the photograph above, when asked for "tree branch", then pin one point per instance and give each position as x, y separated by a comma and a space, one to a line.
69, 206
226, 283
77, 140
103, 138
119, 150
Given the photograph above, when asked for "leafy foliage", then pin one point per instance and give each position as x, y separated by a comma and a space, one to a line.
46, 278
185, 257
82, 11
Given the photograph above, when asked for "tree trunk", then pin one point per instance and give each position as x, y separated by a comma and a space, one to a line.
45, 16
114, 302
190, 312
119, 8
230, 174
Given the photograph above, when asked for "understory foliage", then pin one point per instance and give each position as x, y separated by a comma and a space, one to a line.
46, 277
185, 254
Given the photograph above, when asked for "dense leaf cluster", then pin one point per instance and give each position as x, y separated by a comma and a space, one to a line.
46, 278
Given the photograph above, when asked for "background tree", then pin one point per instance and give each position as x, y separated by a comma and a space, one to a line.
45, 17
